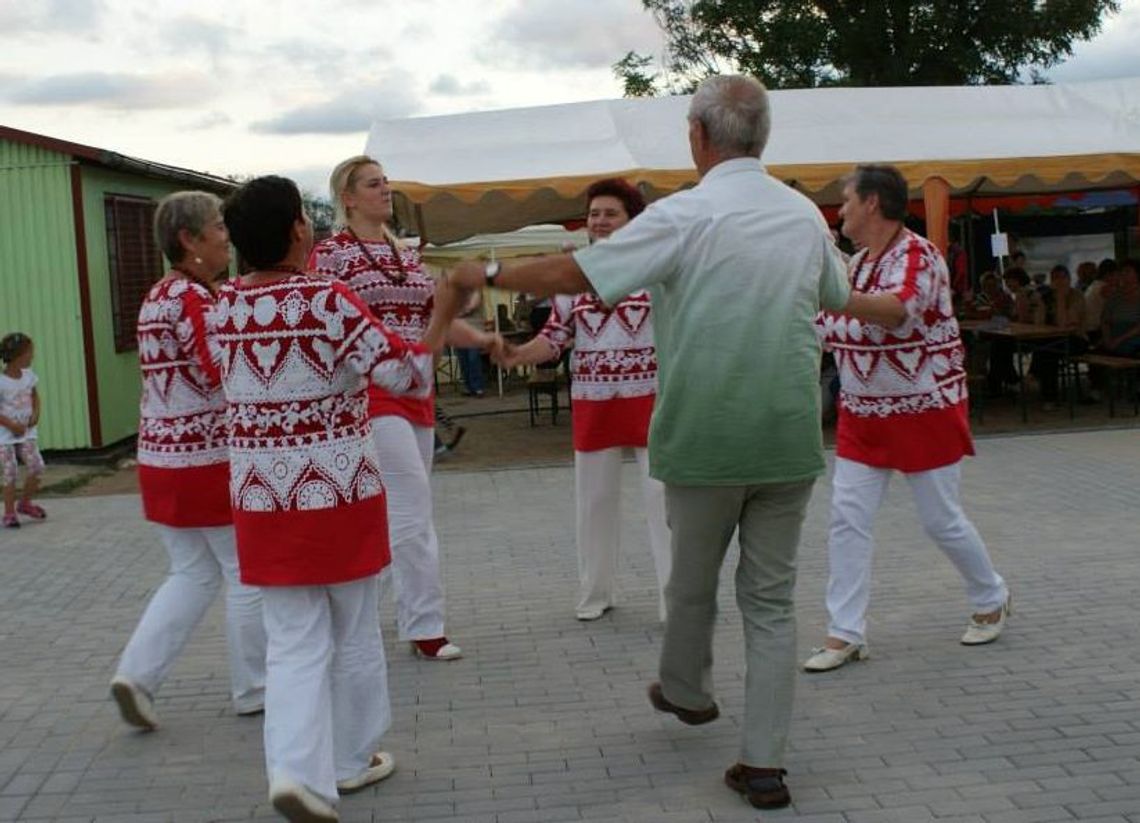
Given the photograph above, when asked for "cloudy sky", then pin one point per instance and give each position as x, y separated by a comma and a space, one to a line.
251, 86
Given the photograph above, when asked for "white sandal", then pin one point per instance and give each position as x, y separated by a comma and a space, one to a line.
380, 766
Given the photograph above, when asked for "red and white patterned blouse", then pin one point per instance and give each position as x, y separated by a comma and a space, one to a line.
182, 454
613, 366
297, 357
903, 402
402, 301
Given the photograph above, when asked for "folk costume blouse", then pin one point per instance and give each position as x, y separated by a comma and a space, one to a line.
903, 402
400, 298
297, 358
182, 454
613, 367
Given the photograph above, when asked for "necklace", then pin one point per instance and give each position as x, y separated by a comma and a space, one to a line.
374, 263
256, 275
872, 278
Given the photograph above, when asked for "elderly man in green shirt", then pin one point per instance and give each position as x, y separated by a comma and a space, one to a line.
738, 268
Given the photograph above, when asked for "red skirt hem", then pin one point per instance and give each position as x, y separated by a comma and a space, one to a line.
606, 424
419, 411
321, 547
906, 442
194, 497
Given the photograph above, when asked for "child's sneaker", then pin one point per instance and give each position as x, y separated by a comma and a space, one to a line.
11, 521
30, 509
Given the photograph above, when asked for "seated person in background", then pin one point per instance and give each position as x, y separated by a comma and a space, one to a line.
1120, 321
1086, 275
991, 300
1016, 302
1091, 282
1025, 297
1064, 307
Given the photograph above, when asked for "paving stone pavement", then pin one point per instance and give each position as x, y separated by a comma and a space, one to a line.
545, 719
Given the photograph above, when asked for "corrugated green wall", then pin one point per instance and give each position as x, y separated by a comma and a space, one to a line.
39, 286
118, 373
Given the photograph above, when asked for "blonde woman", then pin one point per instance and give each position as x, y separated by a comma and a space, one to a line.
389, 278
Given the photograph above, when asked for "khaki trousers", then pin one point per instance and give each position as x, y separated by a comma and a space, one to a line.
702, 520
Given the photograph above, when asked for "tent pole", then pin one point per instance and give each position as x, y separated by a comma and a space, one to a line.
997, 230
498, 366
936, 198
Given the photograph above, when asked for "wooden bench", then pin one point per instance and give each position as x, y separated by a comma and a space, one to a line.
1114, 367
543, 381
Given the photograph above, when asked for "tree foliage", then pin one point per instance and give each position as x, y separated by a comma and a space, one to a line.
320, 211
797, 44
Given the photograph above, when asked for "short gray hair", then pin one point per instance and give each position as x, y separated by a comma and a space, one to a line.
190, 210
733, 108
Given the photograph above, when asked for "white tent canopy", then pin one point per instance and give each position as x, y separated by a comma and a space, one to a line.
463, 174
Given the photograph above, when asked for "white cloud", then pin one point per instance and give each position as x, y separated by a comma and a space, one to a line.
449, 85
188, 32
349, 111
555, 34
210, 121
24, 17
107, 89
1112, 54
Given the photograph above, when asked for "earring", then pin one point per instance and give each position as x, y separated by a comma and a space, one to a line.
198, 260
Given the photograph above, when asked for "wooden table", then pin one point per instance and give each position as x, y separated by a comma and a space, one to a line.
1026, 337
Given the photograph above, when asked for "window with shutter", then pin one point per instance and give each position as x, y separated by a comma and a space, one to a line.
134, 260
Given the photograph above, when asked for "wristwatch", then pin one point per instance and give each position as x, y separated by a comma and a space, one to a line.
491, 271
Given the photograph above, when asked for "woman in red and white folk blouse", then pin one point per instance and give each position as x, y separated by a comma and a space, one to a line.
389, 278
298, 353
184, 468
903, 407
614, 383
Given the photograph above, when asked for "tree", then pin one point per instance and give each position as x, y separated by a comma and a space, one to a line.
797, 44
320, 211
631, 71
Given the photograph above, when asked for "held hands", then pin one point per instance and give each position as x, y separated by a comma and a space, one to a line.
493, 344
506, 356
18, 429
501, 352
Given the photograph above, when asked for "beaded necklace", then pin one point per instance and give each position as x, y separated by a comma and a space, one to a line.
375, 264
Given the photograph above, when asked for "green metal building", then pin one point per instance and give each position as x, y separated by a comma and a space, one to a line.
77, 256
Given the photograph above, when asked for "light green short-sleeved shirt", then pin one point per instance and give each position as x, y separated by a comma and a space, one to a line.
738, 267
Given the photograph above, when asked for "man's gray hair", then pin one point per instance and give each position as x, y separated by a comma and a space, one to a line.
190, 210
733, 108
